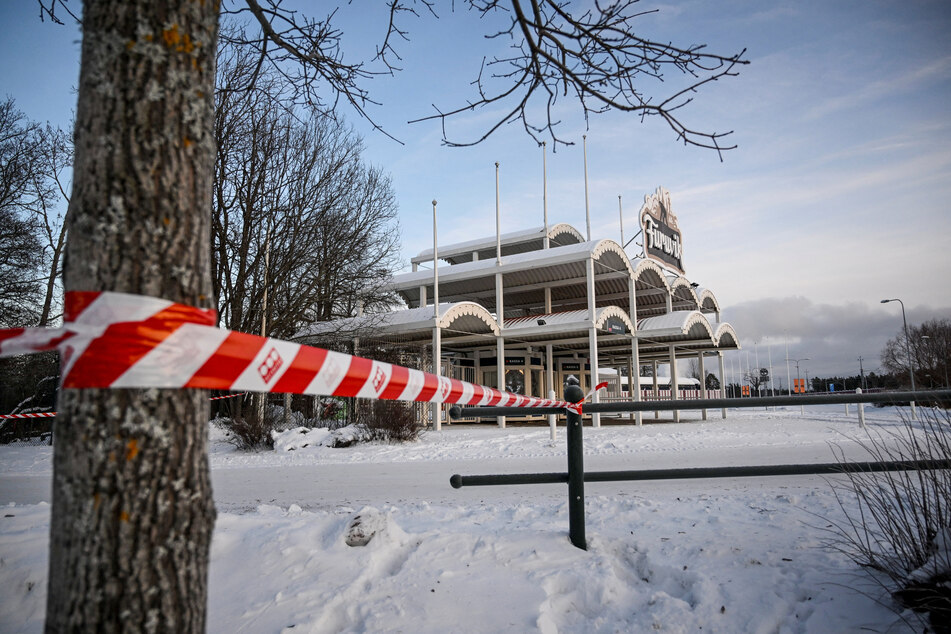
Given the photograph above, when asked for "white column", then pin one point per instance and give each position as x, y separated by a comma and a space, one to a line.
549, 370
437, 356
674, 386
500, 342
437, 333
656, 391
592, 342
500, 370
703, 385
635, 354
722, 383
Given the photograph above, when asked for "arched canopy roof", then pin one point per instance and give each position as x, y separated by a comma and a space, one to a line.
570, 329
533, 239
708, 301
652, 287
459, 319
725, 337
688, 331
684, 297
526, 275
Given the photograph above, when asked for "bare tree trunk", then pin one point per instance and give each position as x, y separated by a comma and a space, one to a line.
132, 513
51, 279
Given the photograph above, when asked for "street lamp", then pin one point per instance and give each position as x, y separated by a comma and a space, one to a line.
911, 368
946, 384
796, 361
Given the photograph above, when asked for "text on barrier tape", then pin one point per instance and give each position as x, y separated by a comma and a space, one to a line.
118, 340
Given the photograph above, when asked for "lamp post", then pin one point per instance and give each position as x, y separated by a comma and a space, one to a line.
796, 361
911, 368
946, 384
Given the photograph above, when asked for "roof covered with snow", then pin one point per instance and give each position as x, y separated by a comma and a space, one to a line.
514, 242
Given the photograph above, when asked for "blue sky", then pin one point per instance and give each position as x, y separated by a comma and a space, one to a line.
836, 197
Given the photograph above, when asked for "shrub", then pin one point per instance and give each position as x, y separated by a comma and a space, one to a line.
249, 430
393, 421
901, 529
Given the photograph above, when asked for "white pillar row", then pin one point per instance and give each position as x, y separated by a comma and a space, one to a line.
592, 342
674, 385
703, 385
500, 342
722, 383
633, 378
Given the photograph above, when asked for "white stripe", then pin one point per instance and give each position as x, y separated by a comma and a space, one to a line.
468, 389
414, 385
442, 390
173, 362
486, 397
110, 308
331, 373
377, 381
267, 367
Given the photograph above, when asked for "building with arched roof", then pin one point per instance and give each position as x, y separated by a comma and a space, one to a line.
522, 311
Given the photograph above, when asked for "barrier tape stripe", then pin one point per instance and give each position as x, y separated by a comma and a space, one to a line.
113, 340
36, 415
53, 414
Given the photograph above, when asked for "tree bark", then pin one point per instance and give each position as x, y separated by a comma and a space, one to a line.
132, 512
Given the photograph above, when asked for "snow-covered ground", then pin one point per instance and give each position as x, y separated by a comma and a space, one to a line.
727, 555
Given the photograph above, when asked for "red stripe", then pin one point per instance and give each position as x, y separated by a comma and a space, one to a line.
76, 302
124, 344
9, 334
398, 380
356, 377
231, 358
430, 386
304, 368
494, 397
456, 392
477, 393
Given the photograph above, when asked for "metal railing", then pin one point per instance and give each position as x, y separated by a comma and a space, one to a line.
576, 476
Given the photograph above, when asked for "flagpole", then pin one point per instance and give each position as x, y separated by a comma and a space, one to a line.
587, 211
545, 193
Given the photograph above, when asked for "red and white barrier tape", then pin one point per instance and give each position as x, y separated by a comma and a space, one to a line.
36, 415
53, 414
218, 398
117, 340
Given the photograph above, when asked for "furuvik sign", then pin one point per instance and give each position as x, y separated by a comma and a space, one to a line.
662, 238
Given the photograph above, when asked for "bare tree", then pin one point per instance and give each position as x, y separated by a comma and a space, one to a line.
52, 189
292, 186
928, 347
756, 377
20, 248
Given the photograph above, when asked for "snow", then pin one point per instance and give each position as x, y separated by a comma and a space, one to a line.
726, 555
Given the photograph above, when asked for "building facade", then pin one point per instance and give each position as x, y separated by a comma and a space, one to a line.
522, 311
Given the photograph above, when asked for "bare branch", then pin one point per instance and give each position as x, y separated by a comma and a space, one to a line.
595, 57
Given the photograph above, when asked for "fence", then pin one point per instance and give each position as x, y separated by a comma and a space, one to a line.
576, 476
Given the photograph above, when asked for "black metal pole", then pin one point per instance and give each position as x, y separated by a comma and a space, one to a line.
573, 394
933, 396
698, 473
